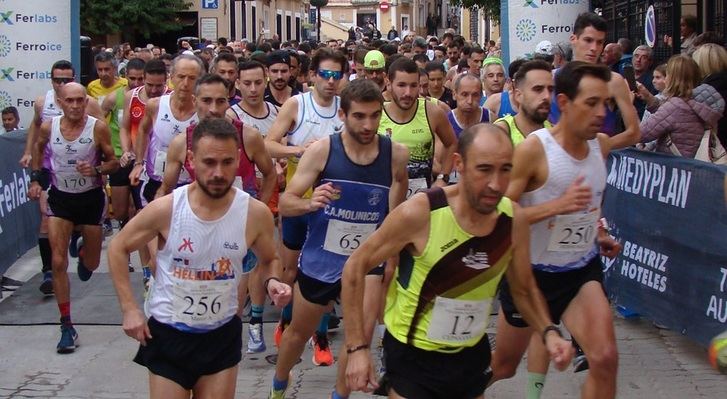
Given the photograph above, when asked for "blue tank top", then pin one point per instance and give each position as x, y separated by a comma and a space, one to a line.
609, 122
336, 230
505, 106
458, 128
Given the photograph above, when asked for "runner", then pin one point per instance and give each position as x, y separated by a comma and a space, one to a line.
493, 76
436, 74
358, 177
374, 68
504, 103
559, 176
278, 90
75, 143
204, 230
454, 245
225, 65
107, 81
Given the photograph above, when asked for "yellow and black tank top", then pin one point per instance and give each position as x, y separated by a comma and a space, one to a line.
516, 135
417, 135
440, 300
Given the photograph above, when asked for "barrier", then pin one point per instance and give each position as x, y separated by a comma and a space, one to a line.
670, 216
19, 216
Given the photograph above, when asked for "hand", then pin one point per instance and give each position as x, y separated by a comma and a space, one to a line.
360, 375
609, 246
135, 174
135, 326
577, 197
127, 157
25, 160
34, 191
280, 293
85, 168
322, 196
561, 351
668, 40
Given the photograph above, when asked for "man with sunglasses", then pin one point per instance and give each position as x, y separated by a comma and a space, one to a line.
45, 108
304, 119
279, 73
374, 68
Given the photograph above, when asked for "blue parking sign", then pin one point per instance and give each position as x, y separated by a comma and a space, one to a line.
213, 4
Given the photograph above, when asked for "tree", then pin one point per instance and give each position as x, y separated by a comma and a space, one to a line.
102, 17
490, 7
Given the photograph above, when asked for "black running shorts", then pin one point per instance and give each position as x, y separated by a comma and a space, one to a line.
86, 208
421, 374
185, 357
559, 289
150, 190
317, 291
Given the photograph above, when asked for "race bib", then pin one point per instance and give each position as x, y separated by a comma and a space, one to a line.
456, 321
160, 163
73, 182
201, 303
343, 237
416, 185
574, 233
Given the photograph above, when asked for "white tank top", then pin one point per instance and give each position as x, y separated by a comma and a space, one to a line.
195, 283
263, 124
65, 155
51, 109
164, 129
566, 242
313, 121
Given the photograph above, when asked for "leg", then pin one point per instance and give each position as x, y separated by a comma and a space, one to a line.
164, 388
219, 385
257, 291
509, 349
92, 239
242, 293
120, 199
588, 318
538, 363
59, 234
46, 255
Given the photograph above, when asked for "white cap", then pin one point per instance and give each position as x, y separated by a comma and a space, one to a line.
188, 52
212, 46
544, 47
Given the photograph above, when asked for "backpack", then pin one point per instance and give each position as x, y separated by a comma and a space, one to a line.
710, 149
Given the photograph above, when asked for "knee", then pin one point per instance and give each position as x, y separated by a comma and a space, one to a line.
503, 368
604, 360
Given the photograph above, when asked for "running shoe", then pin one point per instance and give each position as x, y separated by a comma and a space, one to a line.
108, 228
255, 339
69, 340
278, 333
322, 355
46, 287
580, 363
83, 273
280, 393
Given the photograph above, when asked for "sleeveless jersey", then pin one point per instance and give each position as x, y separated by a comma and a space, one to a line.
516, 135
165, 127
610, 121
313, 123
51, 108
99, 92
506, 107
137, 109
335, 231
440, 300
245, 176
457, 127
263, 124
417, 135
195, 283
65, 155
115, 118
566, 242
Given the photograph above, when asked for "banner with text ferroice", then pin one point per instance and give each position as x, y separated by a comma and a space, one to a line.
525, 23
19, 216
33, 35
670, 216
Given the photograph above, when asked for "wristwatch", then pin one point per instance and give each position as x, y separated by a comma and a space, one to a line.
98, 170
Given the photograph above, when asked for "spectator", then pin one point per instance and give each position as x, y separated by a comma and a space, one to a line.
679, 123
712, 61
393, 34
431, 25
659, 83
11, 119
611, 56
405, 32
352, 34
562, 53
642, 59
687, 32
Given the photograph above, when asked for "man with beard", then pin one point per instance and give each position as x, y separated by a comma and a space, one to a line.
225, 65
204, 230
454, 245
278, 90
375, 68
418, 124
359, 176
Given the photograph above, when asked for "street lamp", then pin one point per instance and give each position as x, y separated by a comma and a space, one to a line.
318, 4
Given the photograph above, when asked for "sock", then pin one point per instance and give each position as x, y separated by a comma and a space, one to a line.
287, 315
335, 395
323, 325
257, 314
45, 252
65, 309
279, 385
535, 385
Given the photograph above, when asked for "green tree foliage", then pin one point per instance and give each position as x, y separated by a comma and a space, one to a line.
490, 7
102, 17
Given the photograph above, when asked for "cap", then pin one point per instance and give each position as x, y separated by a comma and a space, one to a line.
278, 57
374, 60
544, 47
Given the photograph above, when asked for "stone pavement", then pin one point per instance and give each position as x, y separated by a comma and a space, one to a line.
653, 364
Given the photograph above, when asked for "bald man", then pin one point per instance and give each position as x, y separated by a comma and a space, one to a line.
71, 147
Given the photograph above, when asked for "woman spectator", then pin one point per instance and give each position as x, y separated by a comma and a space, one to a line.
680, 119
712, 62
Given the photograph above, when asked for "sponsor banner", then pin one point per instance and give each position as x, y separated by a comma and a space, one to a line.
670, 216
19, 216
33, 35
525, 23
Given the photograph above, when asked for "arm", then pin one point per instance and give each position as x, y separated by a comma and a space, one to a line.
102, 136
621, 93
310, 166
176, 154
400, 175
263, 245
282, 125
492, 104
108, 104
32, 132
36, 157
444, 131
658, 124
125, 132
255, 145
142, 139
94, 109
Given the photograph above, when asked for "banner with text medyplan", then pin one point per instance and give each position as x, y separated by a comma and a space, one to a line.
33, 35
669, 214
525, 23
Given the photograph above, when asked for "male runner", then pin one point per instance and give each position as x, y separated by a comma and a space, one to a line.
559, 176
304, 119
436, 73
278, 90
375, 68
225, 65
454, 245
44, 109
192, 339
75, 144
107, 81
358, 176
503, 104
493, 76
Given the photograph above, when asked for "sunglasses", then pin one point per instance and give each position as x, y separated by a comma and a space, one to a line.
62, 80
326, 74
